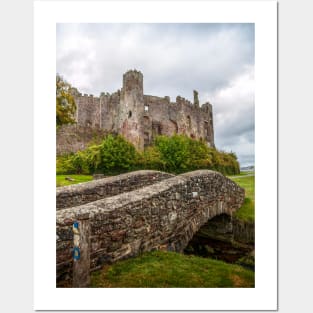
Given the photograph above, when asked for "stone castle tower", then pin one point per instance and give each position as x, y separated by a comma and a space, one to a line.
131, 108
136, 116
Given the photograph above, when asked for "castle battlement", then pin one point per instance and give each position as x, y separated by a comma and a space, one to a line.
139, 117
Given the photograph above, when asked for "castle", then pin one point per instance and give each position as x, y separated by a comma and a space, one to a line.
140, 118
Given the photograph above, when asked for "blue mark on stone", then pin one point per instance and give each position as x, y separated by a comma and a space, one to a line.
76, 253
75, 224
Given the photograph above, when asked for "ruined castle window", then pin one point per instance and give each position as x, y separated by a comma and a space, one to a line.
146, 108
129, 114
156, 129
206, 129
173, 127
146, 121
188, 122
146, 140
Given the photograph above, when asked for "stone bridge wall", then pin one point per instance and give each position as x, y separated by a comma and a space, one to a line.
78, 194
164, 215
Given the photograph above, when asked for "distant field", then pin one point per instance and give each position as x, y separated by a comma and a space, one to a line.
62, 181
244, 173
169, 269
246, 212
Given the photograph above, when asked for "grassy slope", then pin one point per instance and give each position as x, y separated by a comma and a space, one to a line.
246, 212
170, 269
61, 181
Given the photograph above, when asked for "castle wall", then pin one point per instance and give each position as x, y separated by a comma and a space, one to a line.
180, 117
73, 138
140, 118
109, 111
88, 111
209, 129
157, 113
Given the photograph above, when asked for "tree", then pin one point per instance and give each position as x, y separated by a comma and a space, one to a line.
116, 154
65, 103
173, 151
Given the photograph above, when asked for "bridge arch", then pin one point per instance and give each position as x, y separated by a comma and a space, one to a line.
164, 215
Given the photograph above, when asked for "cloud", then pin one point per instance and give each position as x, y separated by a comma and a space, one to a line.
234, 116
215, 59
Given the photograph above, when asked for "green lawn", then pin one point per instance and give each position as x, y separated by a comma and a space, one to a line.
246, 173
169, 269
246, 212
62, 181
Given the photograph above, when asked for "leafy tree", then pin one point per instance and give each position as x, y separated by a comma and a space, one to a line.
116, 154
150, 158
173, 151
65, 103
175, 154
199, 156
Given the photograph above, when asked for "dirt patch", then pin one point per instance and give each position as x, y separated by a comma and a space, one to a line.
238, 281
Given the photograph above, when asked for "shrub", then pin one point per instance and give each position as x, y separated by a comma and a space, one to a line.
151, 159
78, 161
175, 154
64, 165
93, 158
180, 153
225, 163
116, 154
199, 157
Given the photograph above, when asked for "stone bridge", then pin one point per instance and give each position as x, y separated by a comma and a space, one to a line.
127, 218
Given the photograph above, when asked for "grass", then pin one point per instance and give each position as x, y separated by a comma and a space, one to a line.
246, 212
169, 269
245, 173
62, 181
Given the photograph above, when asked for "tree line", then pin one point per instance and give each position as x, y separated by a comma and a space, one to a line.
176, 154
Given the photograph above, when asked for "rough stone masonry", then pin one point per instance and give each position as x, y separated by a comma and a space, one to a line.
136, 116
78, 194
164, 215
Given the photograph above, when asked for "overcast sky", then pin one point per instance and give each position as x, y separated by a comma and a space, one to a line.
215, 59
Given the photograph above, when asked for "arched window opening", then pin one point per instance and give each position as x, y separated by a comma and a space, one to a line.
173, 127
146, 121
188, 122
146, 139
206, 129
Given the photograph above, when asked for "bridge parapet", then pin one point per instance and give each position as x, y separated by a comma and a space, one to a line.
73, 195
164, 215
